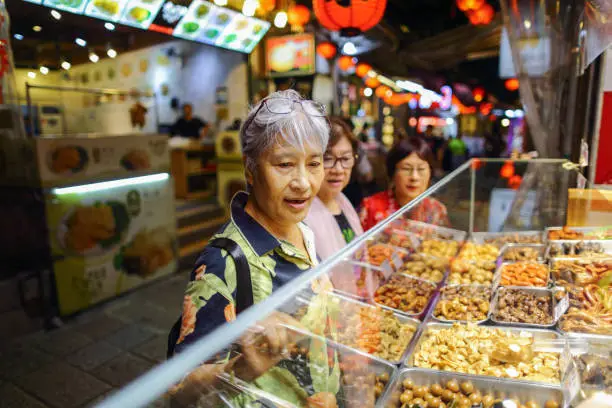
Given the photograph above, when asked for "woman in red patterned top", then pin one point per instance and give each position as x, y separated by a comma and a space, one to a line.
409, 167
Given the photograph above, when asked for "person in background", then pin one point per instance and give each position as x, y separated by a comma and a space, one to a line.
332, 218
364, 135
458, 152
190, 126
409, 167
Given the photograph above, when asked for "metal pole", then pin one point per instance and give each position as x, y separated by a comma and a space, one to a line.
156, 110
30, 111
472, 196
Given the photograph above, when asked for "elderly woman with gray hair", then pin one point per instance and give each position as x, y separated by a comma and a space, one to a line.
283, 141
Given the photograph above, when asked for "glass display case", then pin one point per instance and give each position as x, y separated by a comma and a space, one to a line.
505, 306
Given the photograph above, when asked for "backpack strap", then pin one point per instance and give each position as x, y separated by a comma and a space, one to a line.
244, 286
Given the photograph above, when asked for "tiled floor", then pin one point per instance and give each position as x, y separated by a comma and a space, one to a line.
94, 353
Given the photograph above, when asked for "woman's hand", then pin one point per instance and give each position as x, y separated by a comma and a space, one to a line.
265, 344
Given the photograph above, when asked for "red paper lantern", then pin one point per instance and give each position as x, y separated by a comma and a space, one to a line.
362, 69
477, 163
345, 62
351, 18
465, 5
486, 108
371, 82
381, 91
512, 84
395, 99
298, 15
481, 16
515, 182
478, 94
267, 5
507, 170
327, 50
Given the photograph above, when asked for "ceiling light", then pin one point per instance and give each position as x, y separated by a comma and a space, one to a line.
80, 42
280, 20
404, 28
66, 65
221, 2
106, 185
450, 121
111, 53
367, 92
37, 29
505, 122
93, 57
18, 37
109, 26
249, 7
527, 24
509, 113
349, 48
44, 70
32, 74
56, 14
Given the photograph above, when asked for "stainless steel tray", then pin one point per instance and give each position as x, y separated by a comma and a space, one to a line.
541, 248
410, 259
536, 333
498, 273
535, 291
349, 302
606, 246
579, 229
422, 313
490, 265
430, 231
442, 296
585, 261
497, 387
481, 237
347, 286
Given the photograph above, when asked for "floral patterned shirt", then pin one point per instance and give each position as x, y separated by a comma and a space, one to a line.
379, 206
210, 295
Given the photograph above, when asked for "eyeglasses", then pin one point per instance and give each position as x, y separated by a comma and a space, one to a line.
284, 106
421, 171
346, 162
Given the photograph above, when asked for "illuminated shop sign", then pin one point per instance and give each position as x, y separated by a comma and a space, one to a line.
193, 20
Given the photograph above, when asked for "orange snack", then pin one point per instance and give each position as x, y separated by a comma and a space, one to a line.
524, 274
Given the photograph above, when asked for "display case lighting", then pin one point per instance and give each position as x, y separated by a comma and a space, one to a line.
37, 29
221, 2
80, 42
56, 14
43, 70
280, 20
249, 7
109, 26
107, 185
66, 65
111, 53
18, 36
32, 74
93, 57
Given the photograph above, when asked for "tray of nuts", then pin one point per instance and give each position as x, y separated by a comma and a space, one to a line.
421, 387
405, 294
430, 231
426, 267
486, 351
478, 252
522, 252
465, 272
518, 306
499, 239
463, 303
579, 249
439, 248
528, 273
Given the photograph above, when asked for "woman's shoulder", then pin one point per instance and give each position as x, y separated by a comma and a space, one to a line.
378, 198
434, 203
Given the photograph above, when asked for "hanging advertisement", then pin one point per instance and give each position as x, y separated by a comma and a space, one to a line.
109, 241
291, 55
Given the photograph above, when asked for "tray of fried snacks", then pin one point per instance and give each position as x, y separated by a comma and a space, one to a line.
397, 236
464, 272
579, 249
589, 311
518, 306
377, 254
405, 294
439, 248
430, 231
502, 352
421, 387
522, 252
425, 267
478, 252
527, 273
566, 233
580, 271
467, 303
499, 239
592, 358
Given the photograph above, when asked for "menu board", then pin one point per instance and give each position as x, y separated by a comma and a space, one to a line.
290, 55
193, 20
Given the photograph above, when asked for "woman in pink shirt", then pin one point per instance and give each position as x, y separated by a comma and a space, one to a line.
332, 218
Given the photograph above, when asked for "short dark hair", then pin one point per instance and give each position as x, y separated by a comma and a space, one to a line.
339, 129
405, 148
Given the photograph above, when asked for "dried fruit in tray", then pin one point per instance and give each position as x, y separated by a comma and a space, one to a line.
520, 306
479, 252
379, 253
453, 393
439, 248
466, 303
404, 293
501, 240
376, 331
524, 274
590, 310
425, 267
565, 233
519, 253
582, 249
472, 349
471, 273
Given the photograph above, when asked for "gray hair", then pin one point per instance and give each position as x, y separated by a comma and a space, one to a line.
264, 125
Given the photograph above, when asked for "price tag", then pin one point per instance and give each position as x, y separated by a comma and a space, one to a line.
397, 261
371, 282
561, 307
386, 269
572, 382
